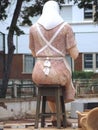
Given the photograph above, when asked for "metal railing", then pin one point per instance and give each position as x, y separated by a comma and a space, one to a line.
25, 89
86, 88
21, 89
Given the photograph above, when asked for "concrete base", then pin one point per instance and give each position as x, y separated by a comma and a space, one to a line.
82, 105
17, 108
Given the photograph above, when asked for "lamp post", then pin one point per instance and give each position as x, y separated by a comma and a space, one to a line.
2, 49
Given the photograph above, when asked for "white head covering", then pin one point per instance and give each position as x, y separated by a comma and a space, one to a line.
50, 17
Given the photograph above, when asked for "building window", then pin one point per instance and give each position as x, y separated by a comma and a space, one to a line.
96, 60
91, 62
29, 62
88, 61
88, 12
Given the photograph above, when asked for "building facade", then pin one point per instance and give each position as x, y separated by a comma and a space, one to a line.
86, 34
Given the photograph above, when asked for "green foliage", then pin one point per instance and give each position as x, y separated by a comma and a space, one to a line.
82, 75
84, 3
17, 30
3, 5
96, 10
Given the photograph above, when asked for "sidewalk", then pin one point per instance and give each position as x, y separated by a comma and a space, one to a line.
29, 125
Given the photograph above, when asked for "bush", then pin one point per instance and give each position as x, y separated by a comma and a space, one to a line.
82, 75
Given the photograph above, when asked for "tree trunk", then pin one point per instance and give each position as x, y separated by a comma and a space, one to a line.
11, 49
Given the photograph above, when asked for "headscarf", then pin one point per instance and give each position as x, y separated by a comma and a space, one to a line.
50, 17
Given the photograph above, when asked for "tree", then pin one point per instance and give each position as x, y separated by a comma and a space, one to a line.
11, 46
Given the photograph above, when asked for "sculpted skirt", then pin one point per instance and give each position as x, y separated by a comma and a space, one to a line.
54, 71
